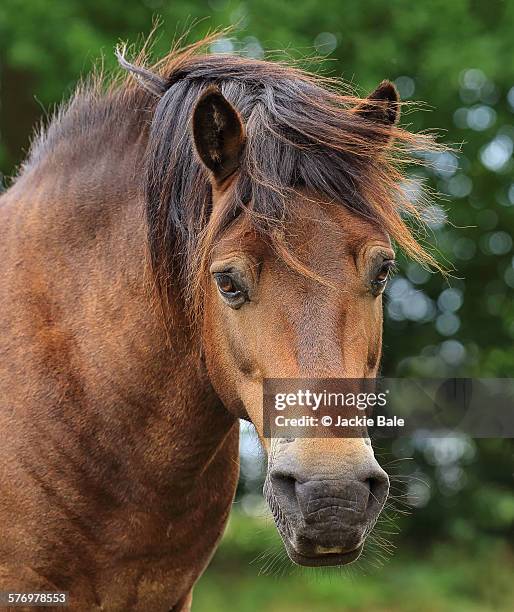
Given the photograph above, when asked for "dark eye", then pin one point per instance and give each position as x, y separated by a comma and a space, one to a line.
230, 290
381, 275
226, 284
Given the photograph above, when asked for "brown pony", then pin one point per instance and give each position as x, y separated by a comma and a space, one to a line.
170, 242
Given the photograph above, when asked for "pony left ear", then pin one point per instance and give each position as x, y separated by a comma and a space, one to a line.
382, 105
218, 134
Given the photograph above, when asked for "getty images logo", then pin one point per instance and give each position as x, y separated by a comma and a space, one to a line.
314, 400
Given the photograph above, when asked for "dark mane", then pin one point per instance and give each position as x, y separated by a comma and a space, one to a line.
302, 133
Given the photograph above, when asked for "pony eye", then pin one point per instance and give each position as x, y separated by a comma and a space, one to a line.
225, 283
230, 291
380, 279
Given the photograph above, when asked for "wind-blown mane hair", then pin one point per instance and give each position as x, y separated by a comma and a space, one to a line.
302, 133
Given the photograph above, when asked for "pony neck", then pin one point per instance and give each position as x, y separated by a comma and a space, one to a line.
110, 372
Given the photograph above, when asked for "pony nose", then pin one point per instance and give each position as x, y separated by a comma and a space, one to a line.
328, 499
341, 501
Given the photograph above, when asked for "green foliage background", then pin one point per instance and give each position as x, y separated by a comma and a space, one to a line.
457, 57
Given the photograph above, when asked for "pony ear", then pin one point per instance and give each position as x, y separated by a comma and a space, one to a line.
382, 106
218, 134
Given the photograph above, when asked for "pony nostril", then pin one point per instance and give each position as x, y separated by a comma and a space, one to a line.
378, 488
372, 486
283, 486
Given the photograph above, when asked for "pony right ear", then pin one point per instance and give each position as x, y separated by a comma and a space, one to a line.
382, 107
218, 134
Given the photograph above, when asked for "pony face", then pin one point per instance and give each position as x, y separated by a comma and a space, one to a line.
264, 319
308, 304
